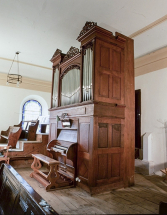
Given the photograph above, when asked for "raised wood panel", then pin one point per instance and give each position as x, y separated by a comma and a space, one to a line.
116, 136
109, 111
53, 131
104, 85
109, 77
103, 135
83, 168
70, 111
116, 87
115, 165
111, 120
102, 166
110, 150
105, 57
84, 137
116, 61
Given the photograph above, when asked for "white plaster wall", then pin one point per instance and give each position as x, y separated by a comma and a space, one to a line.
11, 101
154, 113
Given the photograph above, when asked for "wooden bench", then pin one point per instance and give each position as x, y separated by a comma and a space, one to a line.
47, 179
18, 197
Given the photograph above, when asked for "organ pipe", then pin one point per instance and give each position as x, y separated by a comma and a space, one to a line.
55, 88
70, 92
87, 74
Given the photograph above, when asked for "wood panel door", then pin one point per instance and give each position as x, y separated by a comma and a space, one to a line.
110, 148
109, 73
84, 149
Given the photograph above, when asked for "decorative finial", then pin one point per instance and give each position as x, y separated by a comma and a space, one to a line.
87, 27
72, 52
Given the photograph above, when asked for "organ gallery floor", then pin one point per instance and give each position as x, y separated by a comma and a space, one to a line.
143, 198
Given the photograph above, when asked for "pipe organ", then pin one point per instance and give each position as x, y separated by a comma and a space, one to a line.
94, 87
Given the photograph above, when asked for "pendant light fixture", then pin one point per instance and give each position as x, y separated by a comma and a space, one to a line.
14, 78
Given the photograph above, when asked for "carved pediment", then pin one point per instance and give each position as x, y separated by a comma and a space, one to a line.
72, 52
87, 27
58, 51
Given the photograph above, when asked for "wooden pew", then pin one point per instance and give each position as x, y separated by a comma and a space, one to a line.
11, 135
18, 197
29, 130
21, 156
44, 123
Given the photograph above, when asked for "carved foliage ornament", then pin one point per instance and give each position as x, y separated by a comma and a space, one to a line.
87, 27
58, 51
72, 52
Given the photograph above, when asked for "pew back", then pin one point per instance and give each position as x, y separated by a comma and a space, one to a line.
18, 197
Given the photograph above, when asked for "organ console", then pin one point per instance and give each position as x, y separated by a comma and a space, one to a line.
64, 149
92, 111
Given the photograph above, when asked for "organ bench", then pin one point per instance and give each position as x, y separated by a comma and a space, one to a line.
47, 179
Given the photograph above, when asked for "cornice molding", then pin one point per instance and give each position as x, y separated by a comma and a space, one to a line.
30, 64
28, 83
151, 62
148, 27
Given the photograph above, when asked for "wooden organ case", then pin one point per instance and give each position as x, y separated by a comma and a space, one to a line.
95, 87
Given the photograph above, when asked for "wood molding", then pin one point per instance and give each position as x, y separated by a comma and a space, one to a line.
30, 64
148, 27
28, 83
151, 62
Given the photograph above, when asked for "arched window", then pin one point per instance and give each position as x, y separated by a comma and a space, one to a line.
32, 109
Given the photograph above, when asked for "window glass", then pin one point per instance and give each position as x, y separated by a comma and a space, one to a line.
32, 109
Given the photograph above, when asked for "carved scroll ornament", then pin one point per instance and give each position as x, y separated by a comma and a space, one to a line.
87, 27
72, 52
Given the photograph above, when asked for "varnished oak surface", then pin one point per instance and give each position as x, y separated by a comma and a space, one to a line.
45, 159
143, 198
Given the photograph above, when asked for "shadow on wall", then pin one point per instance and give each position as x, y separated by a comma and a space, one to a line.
142, 168
37, 98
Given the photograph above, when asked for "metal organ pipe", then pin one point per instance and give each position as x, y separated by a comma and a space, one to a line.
55, 88
87, 74
70, 92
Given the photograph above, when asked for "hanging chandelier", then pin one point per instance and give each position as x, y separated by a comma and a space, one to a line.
14, 78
